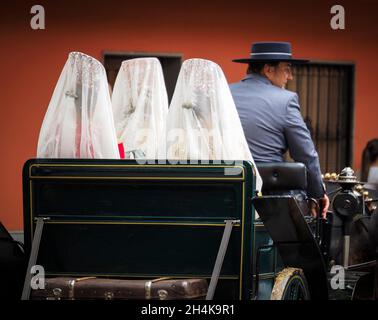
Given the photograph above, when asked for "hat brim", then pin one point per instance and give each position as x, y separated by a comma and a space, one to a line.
249, 60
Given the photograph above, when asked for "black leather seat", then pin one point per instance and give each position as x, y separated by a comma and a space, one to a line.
285, 178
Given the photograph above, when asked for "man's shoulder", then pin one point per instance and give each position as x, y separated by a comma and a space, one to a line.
282, 94
255, 87
235, 84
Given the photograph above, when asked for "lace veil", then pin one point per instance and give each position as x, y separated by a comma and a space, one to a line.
79, 120
203, 122
140, 107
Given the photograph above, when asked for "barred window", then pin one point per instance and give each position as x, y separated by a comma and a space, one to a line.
326, 98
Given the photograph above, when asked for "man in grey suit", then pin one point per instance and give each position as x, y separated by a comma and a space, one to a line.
270, 115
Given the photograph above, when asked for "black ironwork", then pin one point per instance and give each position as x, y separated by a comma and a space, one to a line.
325, 93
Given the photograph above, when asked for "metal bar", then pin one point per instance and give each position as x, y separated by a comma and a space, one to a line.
220, 257
317, 110
340, 103
308, 91
328, 116
362, 265
33, 257
346, 247
257, 269
349, 91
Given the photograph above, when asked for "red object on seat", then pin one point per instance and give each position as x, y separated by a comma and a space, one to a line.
121, 150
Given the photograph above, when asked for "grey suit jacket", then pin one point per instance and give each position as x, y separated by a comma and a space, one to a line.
272, 124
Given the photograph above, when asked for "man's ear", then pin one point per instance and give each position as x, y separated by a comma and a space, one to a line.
267, 69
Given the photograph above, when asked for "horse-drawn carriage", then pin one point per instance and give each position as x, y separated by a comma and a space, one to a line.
148, 223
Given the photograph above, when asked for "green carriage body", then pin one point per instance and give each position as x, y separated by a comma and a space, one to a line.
119, 218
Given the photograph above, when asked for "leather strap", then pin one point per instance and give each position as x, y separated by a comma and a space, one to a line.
148, 285
220, 257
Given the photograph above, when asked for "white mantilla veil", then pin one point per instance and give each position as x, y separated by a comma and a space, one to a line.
203, 123
140, 107
79, 120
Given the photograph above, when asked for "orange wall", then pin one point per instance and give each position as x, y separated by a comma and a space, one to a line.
31, 61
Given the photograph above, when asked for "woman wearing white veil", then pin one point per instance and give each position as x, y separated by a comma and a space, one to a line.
79, 120
203, 123
140, 107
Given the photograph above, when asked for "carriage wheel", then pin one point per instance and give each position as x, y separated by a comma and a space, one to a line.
290, 284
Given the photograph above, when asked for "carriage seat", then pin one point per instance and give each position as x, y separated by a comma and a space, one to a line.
282, 177
285, 178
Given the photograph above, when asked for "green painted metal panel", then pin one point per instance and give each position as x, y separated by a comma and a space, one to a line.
120, 218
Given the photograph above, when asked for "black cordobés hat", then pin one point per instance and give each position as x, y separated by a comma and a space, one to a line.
271, 51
